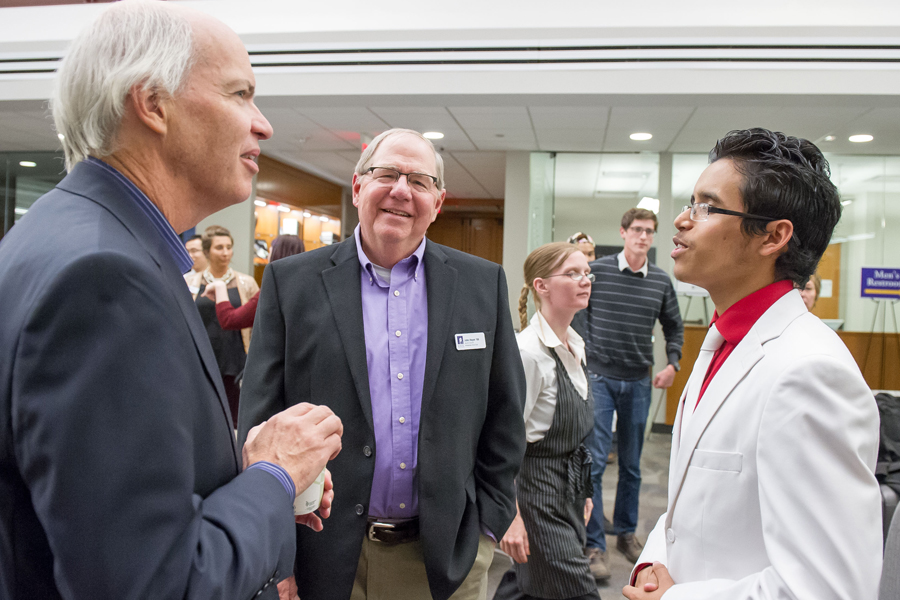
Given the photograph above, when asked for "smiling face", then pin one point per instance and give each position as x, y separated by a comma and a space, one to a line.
715, 254
560, 293
213, 127
393, 217
220, 252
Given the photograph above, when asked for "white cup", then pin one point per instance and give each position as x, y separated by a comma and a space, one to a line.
309, 499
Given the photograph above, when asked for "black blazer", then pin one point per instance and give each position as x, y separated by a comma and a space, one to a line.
119, 476
308, 346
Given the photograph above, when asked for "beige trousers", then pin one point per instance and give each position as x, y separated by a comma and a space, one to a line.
398, 573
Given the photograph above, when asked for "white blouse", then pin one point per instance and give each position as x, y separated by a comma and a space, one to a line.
535, 344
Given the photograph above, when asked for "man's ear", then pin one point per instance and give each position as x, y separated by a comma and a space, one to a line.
354, 186
150, 108
775, 240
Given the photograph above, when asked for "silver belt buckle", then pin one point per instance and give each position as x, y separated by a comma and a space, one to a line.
378, 525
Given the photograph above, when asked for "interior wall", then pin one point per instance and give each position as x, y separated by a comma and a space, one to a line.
515, 224
239, 220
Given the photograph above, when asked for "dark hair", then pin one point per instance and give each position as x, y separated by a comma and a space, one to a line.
211, 232
639, 214
196, 236
785, 178
286, 245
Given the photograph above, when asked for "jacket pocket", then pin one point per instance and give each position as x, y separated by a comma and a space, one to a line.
714, 460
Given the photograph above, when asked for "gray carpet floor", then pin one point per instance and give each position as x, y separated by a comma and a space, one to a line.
654, 480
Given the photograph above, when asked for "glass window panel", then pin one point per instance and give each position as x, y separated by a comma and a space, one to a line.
593, 191
22, 184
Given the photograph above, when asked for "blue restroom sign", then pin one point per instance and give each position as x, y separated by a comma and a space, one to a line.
880, 283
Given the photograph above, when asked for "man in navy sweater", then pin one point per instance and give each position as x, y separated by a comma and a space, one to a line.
629, 295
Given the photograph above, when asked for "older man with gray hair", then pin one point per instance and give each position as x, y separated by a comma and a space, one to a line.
119, 474
411, 344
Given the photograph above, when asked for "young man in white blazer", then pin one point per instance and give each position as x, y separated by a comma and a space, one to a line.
771, 485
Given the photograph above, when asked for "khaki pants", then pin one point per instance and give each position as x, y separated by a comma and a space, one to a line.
398, 573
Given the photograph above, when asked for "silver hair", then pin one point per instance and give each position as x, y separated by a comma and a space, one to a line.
134, 42
369, 152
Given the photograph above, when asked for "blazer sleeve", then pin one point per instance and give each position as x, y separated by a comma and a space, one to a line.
240, 317
820, 504
105, 444
502, 442
262, 389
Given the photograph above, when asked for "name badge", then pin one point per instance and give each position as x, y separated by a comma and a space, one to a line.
470, 341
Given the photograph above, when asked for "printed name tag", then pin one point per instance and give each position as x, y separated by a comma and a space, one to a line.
470, 341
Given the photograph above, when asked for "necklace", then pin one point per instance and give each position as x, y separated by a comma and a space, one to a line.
227, 277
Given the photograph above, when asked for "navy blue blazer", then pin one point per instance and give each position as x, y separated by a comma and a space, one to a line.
119, 475
309, 346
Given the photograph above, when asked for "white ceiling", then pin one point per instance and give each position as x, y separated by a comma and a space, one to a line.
327, 139
476, 137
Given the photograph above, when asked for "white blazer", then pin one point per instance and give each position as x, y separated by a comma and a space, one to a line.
771, 489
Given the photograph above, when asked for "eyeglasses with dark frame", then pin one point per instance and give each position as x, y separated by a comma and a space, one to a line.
390, 176
700, 212
574, 276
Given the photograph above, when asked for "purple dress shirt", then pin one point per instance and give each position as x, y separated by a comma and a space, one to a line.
395, 320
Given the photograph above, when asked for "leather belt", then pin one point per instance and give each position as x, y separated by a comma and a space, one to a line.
393, 531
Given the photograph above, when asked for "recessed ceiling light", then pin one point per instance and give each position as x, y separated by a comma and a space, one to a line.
60, 136
284, 208
259, 202
307, 214
861, 137
27, 163
846, 202
829, 138
324, 219
641, 137
433, 135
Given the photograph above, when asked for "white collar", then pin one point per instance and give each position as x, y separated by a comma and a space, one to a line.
548, 338
623, 264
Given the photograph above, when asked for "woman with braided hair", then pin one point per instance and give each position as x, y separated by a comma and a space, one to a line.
553, 489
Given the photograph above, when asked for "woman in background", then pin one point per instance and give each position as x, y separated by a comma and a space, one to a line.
241, 317
546, 539
230, 347
810, 292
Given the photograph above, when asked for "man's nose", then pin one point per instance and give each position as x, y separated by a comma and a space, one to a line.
260, 125
401, 187
683, 218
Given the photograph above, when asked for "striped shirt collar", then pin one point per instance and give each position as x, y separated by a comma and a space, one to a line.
623, 264
182, 259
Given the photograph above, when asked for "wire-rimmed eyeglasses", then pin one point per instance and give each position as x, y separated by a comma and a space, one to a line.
574, 276
390, 176
700, 212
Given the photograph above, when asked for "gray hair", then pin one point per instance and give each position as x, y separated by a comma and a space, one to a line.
135, 42
366, 158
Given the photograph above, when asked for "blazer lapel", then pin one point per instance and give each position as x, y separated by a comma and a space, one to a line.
342, 284
676, 436
736, 367
100, 187
744, 357
440, 279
